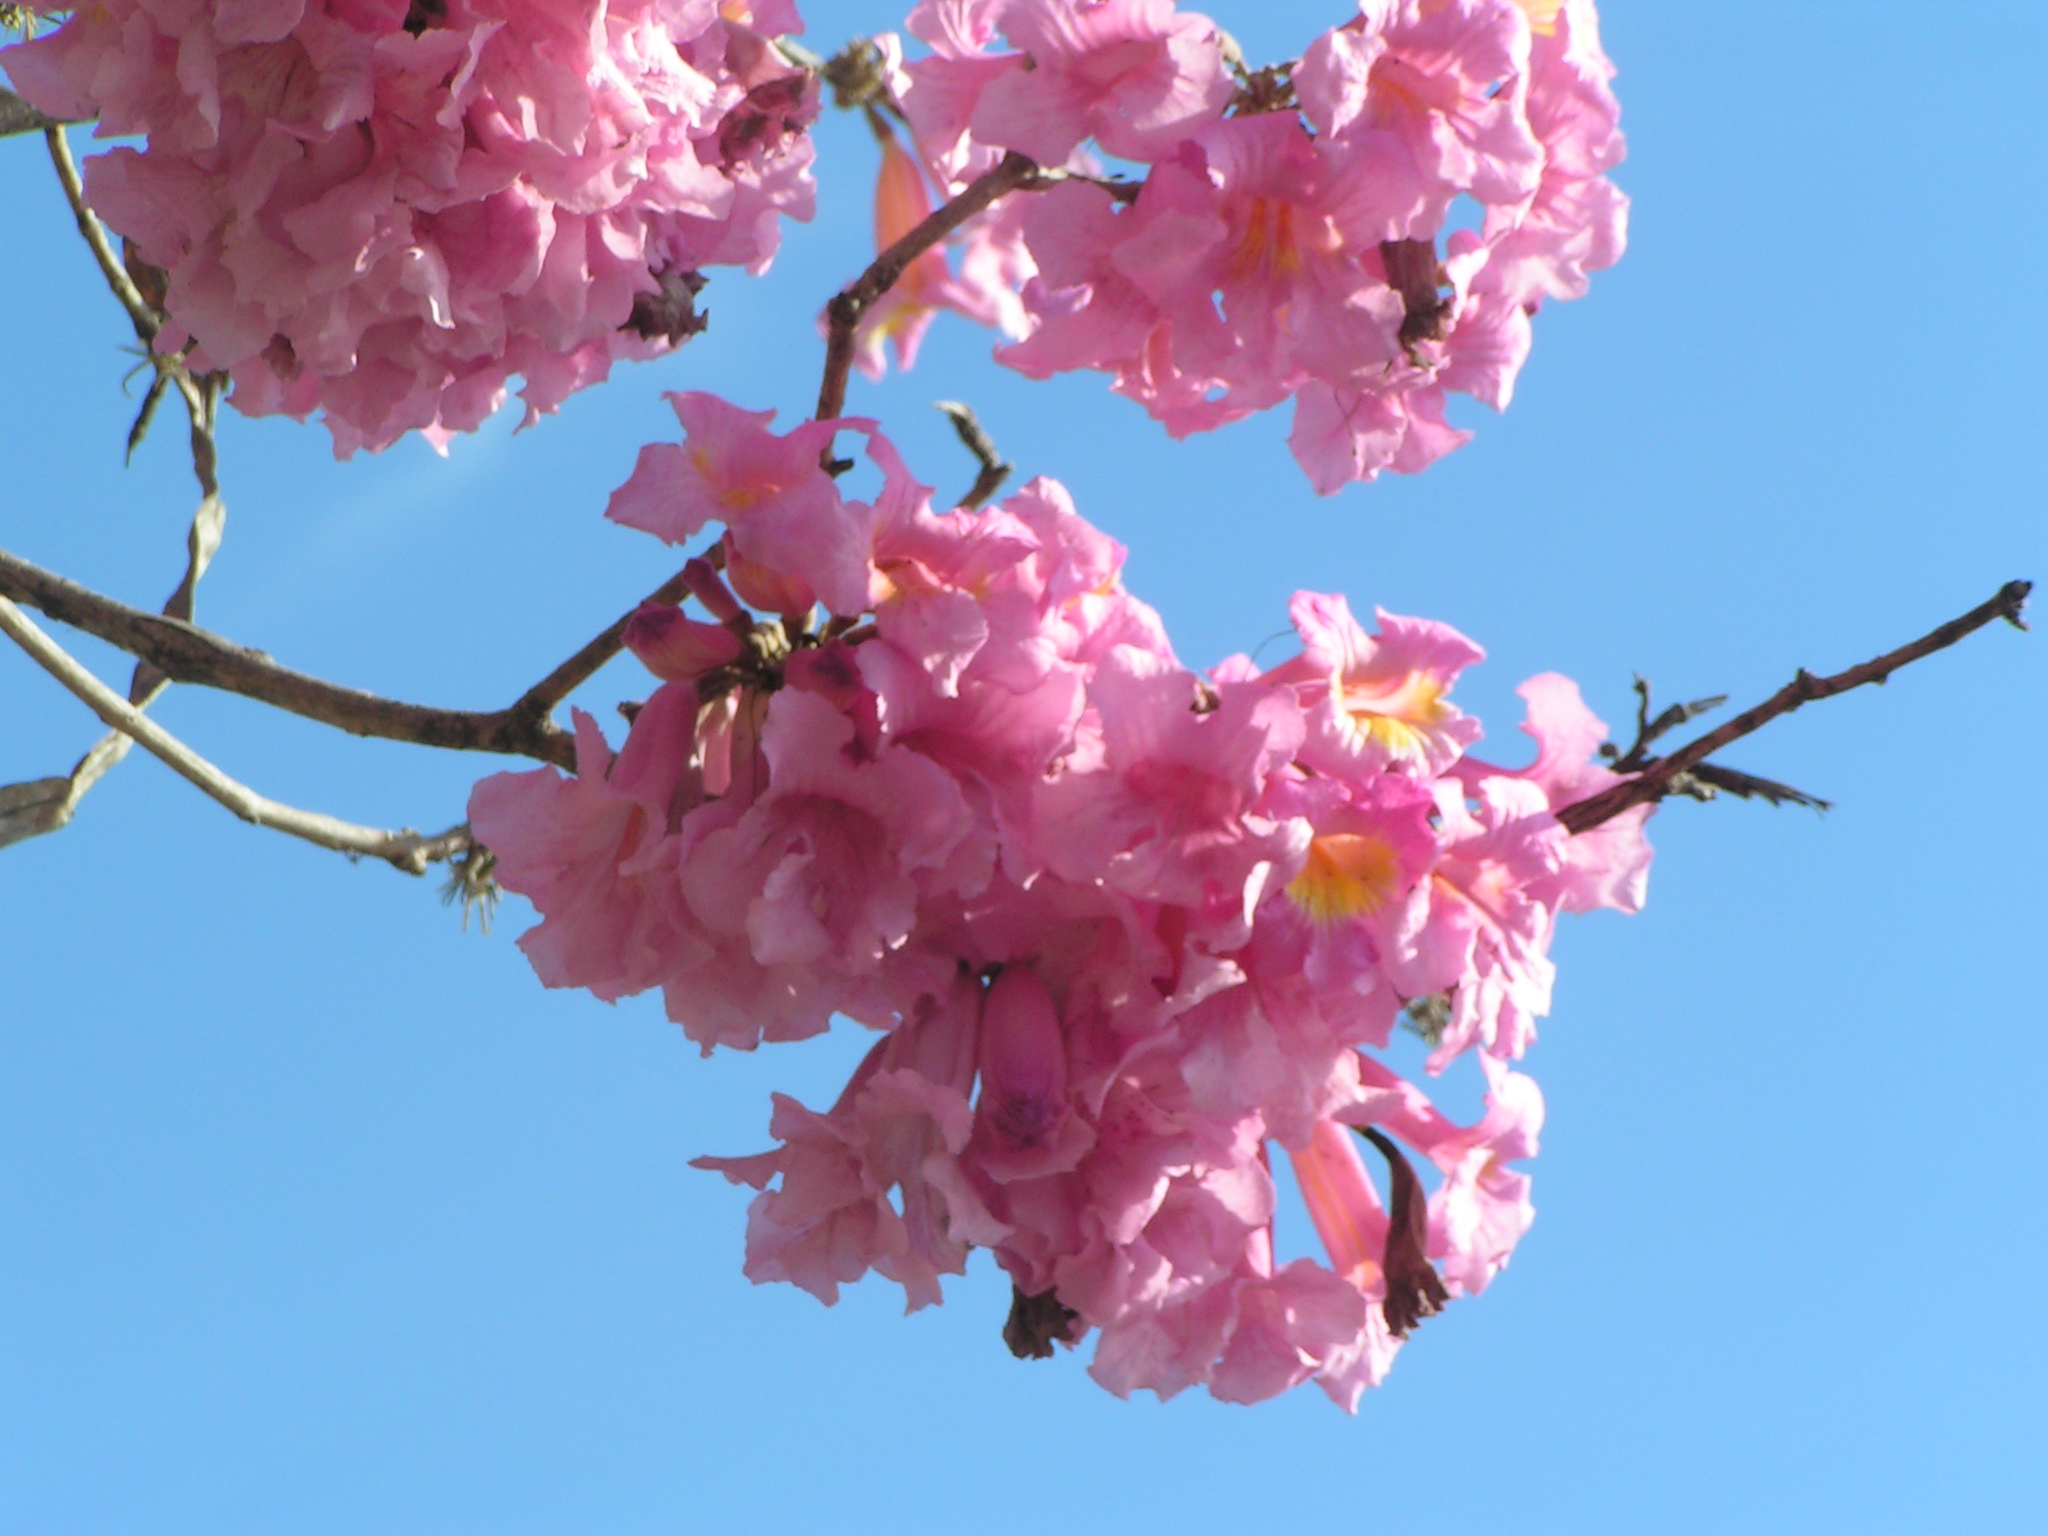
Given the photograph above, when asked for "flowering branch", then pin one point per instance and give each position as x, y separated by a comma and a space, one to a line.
1656, 779
405, 850
1013, 173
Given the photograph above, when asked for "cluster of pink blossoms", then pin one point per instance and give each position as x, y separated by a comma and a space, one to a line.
1123, 927
1293, 234
383, 209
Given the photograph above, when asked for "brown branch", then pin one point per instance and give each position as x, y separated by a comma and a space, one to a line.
17, 116
1655, 781
406, 850
539, 701
843, 314
187, 654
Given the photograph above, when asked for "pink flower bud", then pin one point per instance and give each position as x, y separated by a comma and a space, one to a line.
766, 590
677, 649
1023, 1058
702, 578
1027, 1128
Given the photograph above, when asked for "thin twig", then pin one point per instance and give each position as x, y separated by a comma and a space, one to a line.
405, 850
975, 439
1655, 781
47, 805
145, 319
1014, 173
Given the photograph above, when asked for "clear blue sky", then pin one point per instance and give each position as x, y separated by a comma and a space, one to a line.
317, 1215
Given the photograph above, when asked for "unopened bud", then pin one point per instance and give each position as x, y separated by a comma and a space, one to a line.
766, 590
678, 649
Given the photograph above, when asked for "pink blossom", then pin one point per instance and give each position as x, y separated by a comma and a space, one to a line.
981, 292
1421, 103
383, 214
1125, 927
784, 513
1027, 1126
1376, 702
1276, 253
1130, 74
899, 1126
574, 847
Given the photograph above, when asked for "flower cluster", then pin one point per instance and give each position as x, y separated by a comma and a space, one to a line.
1298, 232
383, 210
1123, 927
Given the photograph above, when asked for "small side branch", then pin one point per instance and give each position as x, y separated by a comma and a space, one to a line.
1657, 776
1014, 173
975, 439
405, 850
539, 701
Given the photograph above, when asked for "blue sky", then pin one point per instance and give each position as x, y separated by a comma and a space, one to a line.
319, 1215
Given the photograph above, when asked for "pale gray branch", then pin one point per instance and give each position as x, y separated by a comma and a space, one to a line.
405, 849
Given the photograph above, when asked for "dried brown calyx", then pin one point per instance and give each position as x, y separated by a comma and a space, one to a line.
1414, 272
1414, 1289
1036, 1323
152, 282
422, 14
670, 312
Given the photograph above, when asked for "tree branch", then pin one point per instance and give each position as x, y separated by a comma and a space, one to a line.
539, 701
405, 850
187, 654
1655, 781
47, 805
145, 319
1014, 173
17, 116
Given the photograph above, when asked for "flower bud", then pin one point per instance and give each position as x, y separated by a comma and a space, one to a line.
678, 649
766, 590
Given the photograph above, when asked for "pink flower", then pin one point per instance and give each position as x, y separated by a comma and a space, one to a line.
1130, 74
1025, 1124
1275, 253
824, 868
1162, 799
899, 1126
1421, 103
575, 848
676, 649
1576, 220
1377, 702
927, 285
1610, 865
1126, 926
383, 214
784, 513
